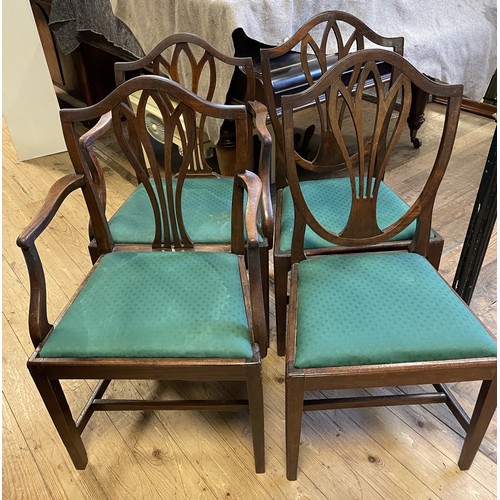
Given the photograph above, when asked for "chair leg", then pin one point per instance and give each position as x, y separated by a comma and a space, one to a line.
483, 412
256, 407
281, 268
264, 270
294, 404
57, 406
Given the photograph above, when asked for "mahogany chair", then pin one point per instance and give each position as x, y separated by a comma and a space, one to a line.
170, 311
191, 61
370, 319
339, 33
197, 65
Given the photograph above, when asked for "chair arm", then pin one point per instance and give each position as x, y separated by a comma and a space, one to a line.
259, 113
57, 193
252, 184
39, 325
104, 124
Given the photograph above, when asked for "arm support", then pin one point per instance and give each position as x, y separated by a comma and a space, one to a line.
97, 131
259, 113
249, 182
87, 141
39, 325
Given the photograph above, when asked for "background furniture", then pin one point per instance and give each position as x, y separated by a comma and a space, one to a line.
82, 72
377, 319
27, 88
174, 314
462, 50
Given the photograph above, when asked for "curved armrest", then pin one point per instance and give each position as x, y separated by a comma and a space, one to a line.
39, 325
104, 124
253, 186
259, 113
57, 193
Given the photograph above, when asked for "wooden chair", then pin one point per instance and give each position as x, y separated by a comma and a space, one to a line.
191, 61
310, 60
164, 312
368, 319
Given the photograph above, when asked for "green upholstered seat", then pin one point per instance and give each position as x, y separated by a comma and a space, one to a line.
363, 309
330, 202
206, 210
156, 304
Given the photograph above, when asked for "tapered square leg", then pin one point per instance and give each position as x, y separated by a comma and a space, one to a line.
256, 406
264, 269
58, 408
293, 421
481, 418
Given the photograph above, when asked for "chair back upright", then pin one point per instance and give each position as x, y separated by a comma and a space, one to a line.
366, 134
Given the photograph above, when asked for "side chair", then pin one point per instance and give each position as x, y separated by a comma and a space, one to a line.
376, 319
190, 60
315, 47
170, 311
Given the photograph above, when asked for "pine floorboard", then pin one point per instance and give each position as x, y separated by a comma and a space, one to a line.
379, 453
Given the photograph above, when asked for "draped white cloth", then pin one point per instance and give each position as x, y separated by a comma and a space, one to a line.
451, 40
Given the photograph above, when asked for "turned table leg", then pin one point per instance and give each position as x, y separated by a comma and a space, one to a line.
416, 117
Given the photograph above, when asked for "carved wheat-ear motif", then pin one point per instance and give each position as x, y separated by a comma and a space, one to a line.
366, 167
162, 186
328, 151
327, 148
195, 70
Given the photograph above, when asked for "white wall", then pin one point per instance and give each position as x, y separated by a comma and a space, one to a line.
29, 103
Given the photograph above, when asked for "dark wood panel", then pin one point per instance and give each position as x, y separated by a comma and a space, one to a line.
86, 74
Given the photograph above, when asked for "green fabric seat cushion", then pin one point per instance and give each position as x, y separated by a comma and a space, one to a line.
330, 202
206, 210
363, 309
156, 304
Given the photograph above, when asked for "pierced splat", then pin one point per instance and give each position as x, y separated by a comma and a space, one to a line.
162, 185
311, 51
365, 142
181, 112
198, 72
366, 158
192, 62
184, 63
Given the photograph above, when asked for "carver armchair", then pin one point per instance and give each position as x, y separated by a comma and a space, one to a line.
169, 311
317, 46
376, 319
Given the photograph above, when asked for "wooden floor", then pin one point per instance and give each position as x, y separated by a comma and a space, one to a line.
398, 453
